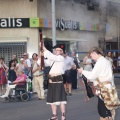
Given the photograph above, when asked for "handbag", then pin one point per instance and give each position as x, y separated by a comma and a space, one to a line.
89, 90
88, 86
46, 78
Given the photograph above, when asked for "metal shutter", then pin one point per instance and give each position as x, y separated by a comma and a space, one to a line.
7, 49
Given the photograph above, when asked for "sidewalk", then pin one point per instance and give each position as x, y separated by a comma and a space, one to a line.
117, 75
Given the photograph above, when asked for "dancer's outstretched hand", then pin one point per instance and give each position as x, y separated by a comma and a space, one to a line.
80, 70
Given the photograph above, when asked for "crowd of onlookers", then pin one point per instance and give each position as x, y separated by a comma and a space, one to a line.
32, 69
8, 74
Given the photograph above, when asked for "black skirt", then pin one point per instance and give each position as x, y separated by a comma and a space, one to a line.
56, 94
102, 110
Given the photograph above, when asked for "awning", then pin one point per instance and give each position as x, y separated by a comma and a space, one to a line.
13, 39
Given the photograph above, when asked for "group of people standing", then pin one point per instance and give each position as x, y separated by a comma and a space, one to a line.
30, 68
63, 74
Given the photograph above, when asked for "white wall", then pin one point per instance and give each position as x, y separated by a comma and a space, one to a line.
20, 9
112, 26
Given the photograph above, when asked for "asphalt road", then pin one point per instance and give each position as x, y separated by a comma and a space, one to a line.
77, 109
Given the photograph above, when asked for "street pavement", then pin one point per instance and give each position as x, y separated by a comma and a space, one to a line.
77, 109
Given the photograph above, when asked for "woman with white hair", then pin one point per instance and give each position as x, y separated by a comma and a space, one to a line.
21, 77
22, 65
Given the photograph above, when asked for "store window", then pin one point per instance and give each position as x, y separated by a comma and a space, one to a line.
7, 49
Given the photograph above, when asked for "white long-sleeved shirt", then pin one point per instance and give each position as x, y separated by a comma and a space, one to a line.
102, 70
58, 67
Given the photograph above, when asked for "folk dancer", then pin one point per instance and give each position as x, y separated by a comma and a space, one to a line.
103, 72
56, 92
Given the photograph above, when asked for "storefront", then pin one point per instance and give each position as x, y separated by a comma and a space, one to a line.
74, 24
20, 21
16, 36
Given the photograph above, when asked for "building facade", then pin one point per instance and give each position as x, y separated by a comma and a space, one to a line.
20, 21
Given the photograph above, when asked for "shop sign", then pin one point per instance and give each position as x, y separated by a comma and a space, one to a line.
34, 22
14, 22
64, 24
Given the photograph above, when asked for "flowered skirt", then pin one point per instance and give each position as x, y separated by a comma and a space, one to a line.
3, 79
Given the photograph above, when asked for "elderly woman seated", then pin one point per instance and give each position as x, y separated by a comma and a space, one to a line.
21, 77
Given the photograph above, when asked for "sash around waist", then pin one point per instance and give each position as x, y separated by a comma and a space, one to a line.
56, 78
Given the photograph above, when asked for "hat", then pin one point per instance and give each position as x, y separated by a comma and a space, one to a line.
61, 46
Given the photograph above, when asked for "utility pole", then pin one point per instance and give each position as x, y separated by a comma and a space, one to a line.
53, 24
102, 23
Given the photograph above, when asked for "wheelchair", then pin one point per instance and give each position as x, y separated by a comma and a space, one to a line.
19, 93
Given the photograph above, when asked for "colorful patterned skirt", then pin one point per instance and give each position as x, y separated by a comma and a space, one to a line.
3, 79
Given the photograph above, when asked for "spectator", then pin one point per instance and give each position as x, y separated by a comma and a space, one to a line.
74, 71
87, 62
28, 62
109, 57
22, 65
11, 72
69, 65
21, 77
3, 76
38, 77
14, 57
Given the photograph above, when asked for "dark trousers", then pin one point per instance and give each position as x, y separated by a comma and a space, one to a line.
74, 79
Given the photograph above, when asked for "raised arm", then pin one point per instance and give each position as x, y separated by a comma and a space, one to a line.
53, 57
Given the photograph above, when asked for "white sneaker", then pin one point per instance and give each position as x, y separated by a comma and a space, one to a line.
3, 96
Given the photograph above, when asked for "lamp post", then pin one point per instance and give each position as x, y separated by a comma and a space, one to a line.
53, 24
102, 21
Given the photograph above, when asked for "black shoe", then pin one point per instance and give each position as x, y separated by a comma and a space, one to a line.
54, 117
70, 94
42, 98
63, 117
39, 99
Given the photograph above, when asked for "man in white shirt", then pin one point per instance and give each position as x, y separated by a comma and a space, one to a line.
56, 92
69, 65
38, 77
28, 62
103, 72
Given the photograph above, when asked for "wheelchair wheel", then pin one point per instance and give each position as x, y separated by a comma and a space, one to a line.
24, 97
